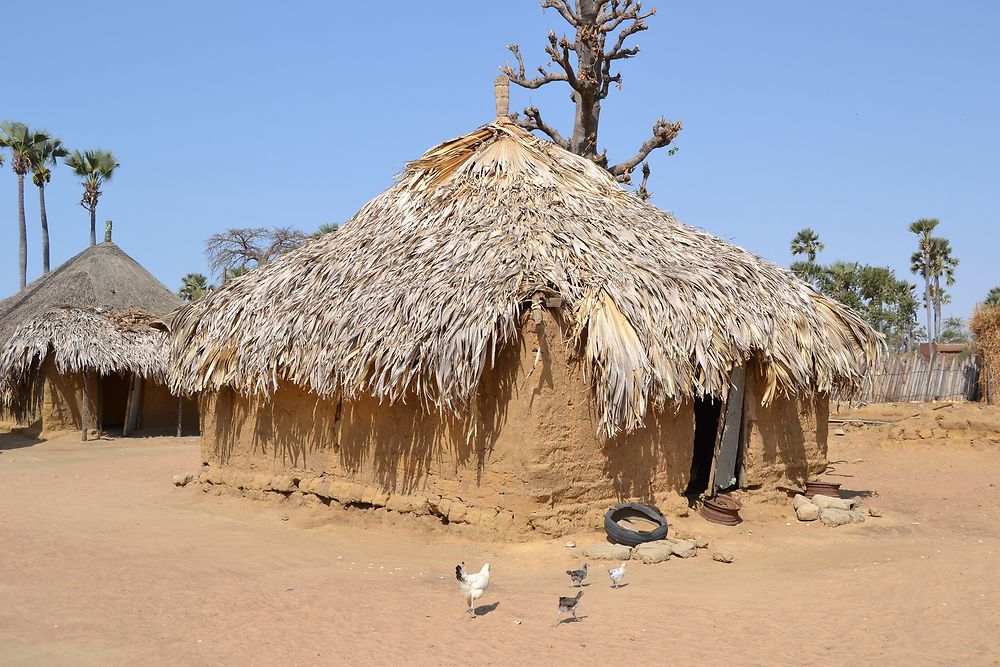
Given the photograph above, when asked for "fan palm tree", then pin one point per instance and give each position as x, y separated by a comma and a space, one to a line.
993, 297
943, 265
193, 287
921, 264
21, 141
325, 229
95, 168
234, 272
807, 243
45, 155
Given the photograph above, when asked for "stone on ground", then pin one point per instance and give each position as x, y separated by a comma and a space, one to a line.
652, 552
184, 478
823, 502
807, 512
618, 552
836, 517
683, 548
722, 556
799, 500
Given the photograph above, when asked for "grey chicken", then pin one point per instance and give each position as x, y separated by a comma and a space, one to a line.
570, 605
576, 577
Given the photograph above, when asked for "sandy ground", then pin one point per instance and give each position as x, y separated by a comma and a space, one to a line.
104, 562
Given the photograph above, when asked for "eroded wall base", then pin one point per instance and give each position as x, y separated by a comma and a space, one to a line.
534, 461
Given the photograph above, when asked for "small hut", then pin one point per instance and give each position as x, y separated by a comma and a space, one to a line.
508, 338
77, 351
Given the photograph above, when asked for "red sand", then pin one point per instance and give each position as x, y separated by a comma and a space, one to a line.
104, 562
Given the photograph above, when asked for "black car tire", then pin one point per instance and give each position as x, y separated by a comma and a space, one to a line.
631, 538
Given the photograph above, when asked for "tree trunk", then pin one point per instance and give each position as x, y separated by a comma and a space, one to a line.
588, 107
929, 302
22, 229
93, 226
45, 229
937, 307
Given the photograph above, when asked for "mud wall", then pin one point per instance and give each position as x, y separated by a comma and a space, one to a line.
158, 412
785, 440
61, 400
535, 461
61, 408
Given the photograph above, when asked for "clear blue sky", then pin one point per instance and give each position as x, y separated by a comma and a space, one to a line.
853, 118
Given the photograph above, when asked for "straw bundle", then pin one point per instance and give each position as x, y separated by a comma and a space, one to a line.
985, 325
419, 290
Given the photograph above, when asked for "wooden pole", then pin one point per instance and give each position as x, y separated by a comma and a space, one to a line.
86, 407
100, 405
180, 415
132, 406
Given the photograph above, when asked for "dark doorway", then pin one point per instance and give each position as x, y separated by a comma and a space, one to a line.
707, 412
115, 388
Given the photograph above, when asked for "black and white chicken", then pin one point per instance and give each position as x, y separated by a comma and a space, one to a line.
474, 585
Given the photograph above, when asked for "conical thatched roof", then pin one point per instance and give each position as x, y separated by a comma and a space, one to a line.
415, 294
100, 276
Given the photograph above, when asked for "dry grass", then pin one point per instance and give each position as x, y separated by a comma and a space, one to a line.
417, 292
985, 325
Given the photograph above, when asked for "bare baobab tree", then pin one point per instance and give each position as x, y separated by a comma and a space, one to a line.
585, 63
235, 251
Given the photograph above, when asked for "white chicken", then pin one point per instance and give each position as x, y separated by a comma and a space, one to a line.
472, 585
616, 575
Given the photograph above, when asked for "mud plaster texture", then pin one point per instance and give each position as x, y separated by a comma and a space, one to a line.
60, 402
785, 441
534, 465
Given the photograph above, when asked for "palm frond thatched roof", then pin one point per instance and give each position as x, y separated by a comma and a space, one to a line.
418, 291
81, 340
101, 276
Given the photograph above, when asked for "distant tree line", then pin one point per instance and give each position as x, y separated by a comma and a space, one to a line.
888, 303
38, 152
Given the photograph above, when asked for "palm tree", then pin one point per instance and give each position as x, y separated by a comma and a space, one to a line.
993, 297
44, 155
920, 264
193, 287
21, 141
234, 272
325, 229
943, 264
95, 168
807, 243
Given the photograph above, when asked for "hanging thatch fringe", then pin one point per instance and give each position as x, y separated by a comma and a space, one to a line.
81, 339
418, 291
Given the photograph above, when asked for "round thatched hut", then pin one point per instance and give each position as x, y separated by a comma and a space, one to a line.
507, 337
76, 348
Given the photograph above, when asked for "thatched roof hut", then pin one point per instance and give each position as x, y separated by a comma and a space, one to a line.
102, 276
419, 290
88, 317
416, 298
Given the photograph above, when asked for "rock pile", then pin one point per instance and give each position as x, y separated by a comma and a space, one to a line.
830, 511
654, 552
